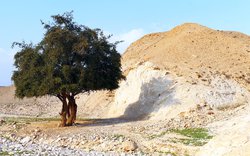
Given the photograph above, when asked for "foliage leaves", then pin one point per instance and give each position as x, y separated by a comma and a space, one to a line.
70, 57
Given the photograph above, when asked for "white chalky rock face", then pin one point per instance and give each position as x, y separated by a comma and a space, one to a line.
140, 92
223, 92
148, 91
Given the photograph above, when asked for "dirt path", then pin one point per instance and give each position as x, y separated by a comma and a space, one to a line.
104, 135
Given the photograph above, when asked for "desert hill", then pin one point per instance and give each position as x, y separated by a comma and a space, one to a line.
190, 49
190, 63
192, 73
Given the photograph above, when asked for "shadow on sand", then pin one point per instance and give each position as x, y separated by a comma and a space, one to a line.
154, 95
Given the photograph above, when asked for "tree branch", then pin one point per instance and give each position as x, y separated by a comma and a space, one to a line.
75, 93
59, 97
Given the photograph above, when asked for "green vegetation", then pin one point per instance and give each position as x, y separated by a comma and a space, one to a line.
167, 153
159, 135
117, 136
193, 136
5, 153
196, 133
196, 136
23, 153
192, 142
70, 59
27, 120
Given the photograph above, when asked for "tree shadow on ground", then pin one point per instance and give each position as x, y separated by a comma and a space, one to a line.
155, 94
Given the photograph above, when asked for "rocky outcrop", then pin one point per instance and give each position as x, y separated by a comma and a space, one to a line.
151, 92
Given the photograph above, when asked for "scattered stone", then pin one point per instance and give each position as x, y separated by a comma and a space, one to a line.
15, 148
210, 113
25, 140
129, 146
37, 130
2, 121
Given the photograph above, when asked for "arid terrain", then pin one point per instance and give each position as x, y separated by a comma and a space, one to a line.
186, 92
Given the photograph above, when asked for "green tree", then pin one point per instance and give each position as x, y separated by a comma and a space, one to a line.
70, 59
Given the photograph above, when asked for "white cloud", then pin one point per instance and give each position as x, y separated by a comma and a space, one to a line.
127, 38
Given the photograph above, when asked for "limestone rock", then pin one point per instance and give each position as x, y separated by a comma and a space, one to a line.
129, 146
25, 140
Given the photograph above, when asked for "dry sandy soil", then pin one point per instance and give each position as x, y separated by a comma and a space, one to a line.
186, 93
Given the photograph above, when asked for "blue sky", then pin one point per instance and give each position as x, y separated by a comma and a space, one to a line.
127, 20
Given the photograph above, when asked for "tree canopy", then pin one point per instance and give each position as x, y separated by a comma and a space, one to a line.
71, 58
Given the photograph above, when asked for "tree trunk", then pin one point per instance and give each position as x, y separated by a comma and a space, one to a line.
69, 109
72, 110
64, 112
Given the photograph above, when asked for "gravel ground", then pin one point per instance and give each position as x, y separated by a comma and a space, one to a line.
28, 148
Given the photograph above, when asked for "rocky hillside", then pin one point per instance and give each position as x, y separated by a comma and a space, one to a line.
193, 75
197, 65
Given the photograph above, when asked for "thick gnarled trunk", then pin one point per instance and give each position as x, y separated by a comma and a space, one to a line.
72, 110
64, 111
69, 109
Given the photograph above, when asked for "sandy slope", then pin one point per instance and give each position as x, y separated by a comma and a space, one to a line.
191, 50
